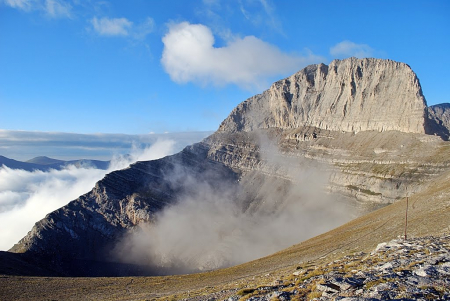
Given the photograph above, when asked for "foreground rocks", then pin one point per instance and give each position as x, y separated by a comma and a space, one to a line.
413, 269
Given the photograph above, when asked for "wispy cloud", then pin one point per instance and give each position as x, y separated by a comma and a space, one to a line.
257, 13
51, 8
122, 27
347, 48
189, 55
56, 9
25, 5
112, 26
141, 30
272, 19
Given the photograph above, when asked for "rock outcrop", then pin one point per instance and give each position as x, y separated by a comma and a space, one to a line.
415, 269
364, 122
439, 120
349, 95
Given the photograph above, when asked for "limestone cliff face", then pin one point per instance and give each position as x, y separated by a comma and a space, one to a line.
349, 95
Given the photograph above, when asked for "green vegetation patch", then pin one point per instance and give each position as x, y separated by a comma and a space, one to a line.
366, 191
245, 291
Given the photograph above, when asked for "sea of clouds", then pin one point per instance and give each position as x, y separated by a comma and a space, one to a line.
26, 197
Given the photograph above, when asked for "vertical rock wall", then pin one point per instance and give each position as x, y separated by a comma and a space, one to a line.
349, 95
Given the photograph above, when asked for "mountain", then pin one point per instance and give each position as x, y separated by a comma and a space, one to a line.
42, 160
14, 164
45, 163
358, 129
351, 95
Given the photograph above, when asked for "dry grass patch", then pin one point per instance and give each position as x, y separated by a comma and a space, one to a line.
314, 295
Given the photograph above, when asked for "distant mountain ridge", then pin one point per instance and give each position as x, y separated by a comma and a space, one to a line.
365, 121
43, 160
43, 163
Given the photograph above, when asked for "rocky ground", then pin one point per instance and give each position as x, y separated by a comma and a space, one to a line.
412, 269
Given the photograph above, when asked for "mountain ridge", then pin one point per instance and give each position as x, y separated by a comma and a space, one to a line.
369, 163
43, 163
349, 95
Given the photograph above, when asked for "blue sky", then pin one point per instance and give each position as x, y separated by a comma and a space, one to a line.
140, 66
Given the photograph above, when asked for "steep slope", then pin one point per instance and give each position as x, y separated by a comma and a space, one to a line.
356, 128
78, 236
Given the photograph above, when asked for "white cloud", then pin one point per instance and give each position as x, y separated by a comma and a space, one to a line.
123, 27
52, 8
189, 55
347, 48
143, 29
58, 9
112, 27
25, 5
26, 197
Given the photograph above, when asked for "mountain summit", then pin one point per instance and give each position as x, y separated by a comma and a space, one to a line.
357, 129
349, 95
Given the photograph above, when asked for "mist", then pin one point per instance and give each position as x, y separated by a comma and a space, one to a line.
26, 197
219, 225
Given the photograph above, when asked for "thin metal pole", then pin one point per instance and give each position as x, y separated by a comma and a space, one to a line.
406, 214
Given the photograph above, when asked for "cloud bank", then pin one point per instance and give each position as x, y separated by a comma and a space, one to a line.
189, 55
26, 197
25, 145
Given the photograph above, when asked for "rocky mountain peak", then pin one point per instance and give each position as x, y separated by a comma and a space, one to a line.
348, 95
